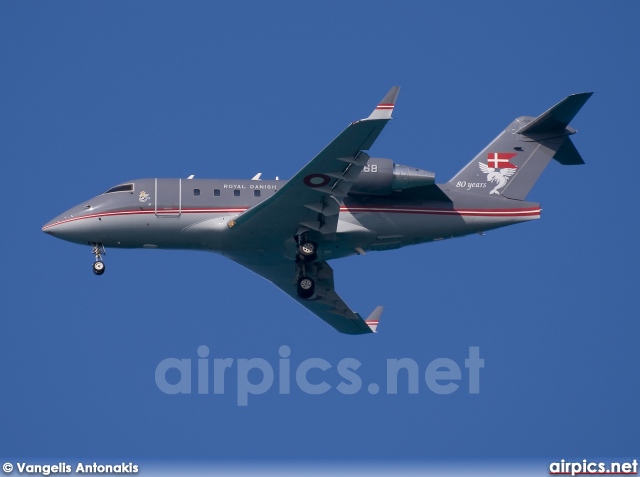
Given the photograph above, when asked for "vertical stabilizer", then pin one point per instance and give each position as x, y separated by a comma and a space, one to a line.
511, 164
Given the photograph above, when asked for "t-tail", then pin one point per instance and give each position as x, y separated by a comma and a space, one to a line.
513, 162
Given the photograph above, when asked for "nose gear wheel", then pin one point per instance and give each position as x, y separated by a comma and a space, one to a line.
98, 250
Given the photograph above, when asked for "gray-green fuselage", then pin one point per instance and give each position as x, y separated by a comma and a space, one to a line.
193, 214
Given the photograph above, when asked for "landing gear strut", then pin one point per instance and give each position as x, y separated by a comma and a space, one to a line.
307, 253
98, 250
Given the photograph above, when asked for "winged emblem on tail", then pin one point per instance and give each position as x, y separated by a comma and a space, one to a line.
499, 175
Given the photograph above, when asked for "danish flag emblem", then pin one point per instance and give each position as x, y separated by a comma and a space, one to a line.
500, 160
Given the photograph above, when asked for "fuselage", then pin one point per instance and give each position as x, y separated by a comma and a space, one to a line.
193, 214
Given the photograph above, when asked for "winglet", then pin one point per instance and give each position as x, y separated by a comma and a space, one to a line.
385, 108
374, 318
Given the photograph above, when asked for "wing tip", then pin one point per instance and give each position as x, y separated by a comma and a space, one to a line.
373, 319
385, 107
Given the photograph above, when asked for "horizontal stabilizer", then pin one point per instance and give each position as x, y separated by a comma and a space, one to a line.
558, 117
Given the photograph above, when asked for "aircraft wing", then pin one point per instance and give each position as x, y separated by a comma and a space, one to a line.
326, 303
310, 203
311, 199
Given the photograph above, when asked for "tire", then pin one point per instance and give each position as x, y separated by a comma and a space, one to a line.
306, 287
308, 251
98, 268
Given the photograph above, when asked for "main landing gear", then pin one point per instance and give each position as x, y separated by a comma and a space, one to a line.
98, 250
307, 253
306, 287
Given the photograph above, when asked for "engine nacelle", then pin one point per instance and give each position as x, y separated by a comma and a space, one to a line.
382, 177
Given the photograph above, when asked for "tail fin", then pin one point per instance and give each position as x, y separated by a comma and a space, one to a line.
513, 162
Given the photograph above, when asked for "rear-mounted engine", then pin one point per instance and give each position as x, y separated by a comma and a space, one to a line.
383, 177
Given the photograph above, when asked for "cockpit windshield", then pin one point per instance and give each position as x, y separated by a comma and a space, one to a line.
121, 188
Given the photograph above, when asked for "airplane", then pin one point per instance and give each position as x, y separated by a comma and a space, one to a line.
343, 202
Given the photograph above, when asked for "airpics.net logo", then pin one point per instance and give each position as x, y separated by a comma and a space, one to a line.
257, 376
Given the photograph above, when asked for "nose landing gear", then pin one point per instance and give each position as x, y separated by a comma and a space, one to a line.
98, 250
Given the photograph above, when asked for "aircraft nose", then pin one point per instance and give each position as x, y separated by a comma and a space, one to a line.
49, 226
53, 226
75, 225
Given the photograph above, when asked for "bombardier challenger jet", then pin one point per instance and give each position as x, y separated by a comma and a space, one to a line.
343, 202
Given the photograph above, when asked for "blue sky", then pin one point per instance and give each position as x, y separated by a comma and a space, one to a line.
97, 93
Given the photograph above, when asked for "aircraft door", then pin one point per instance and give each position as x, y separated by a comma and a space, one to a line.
168, 198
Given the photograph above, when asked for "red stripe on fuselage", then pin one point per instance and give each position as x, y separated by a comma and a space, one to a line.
150, 212
359, 209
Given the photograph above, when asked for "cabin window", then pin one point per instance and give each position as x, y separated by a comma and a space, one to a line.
256, 193
216, 192
196, 192
121, 188
236, 193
